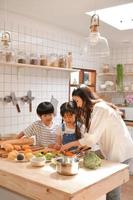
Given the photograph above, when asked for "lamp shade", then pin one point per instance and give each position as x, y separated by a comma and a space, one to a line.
96, 47
95, 44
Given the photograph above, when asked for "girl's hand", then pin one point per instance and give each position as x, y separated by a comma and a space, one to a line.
69, 145
65, 147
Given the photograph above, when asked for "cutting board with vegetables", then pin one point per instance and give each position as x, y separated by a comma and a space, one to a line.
21, 148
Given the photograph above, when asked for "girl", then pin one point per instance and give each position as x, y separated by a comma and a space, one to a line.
71, 130
105, 126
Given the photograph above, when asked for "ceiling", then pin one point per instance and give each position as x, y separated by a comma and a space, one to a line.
69, 14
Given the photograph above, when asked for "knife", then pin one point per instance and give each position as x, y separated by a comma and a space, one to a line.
14, 101
30, 99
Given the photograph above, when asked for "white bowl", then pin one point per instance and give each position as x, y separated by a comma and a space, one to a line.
38, 161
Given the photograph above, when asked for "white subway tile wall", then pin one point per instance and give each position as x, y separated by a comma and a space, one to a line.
33, 36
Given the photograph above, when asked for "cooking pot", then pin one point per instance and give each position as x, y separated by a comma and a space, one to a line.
67, 166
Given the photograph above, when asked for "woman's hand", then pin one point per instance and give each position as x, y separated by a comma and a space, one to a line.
69, 145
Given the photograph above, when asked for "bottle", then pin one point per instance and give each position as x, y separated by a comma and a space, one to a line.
69, 60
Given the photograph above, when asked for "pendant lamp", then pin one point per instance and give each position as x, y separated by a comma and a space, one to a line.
95, 44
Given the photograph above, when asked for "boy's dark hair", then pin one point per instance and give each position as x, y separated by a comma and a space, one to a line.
68, 107
45, 108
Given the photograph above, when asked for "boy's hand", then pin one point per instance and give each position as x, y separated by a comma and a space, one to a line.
20, 135
57, 146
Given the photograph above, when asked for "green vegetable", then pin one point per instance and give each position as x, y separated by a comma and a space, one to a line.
49, 156
119, 77
39, 154
91, 160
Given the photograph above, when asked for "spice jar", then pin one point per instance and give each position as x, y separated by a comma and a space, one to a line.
69, 60
53, 60
43, 60
62, 61
105, 68
7, 55
21, 57
34, 59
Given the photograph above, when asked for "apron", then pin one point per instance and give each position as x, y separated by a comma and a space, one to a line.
68, 137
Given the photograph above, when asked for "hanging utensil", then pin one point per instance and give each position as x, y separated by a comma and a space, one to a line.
30, 99
14, 101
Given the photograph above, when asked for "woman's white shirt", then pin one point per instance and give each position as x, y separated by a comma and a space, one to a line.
109, 131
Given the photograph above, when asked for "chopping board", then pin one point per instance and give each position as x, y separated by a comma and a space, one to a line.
3, 153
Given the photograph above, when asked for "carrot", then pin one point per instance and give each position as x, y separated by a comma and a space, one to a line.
69, 153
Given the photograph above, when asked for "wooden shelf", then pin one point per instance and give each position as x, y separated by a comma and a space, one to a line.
114, 74
128, 63
114, 91
107, 74
19, 65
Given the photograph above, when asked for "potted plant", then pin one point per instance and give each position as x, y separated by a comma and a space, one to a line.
119, 77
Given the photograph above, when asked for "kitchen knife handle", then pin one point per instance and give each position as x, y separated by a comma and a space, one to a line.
30, 107
18, 108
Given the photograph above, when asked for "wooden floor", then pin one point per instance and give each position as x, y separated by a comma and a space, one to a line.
127, 190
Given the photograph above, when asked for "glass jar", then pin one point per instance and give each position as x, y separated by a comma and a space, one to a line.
105, 68
43, 60
21, 57
34, 59
7, 55
62, 61
69, 60
53, 60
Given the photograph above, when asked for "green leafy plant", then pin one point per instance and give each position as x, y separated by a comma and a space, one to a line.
119, 77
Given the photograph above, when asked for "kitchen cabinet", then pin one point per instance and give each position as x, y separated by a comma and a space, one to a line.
45, 183
82, 76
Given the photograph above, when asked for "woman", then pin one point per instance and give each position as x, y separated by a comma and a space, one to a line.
105, 127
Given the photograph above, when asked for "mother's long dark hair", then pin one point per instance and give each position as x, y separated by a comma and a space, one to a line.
89, 98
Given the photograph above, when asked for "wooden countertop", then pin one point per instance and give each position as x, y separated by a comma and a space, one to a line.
45, 183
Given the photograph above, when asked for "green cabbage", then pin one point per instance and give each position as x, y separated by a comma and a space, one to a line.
91, 160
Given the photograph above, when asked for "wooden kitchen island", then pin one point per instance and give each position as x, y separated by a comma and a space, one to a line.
44, 183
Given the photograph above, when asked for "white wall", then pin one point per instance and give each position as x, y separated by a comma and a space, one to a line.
34, 37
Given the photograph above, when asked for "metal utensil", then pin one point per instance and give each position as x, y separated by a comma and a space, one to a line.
81, 151
14, 101
67, 166
30, 99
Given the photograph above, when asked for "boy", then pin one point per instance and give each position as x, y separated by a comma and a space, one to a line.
45, 129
